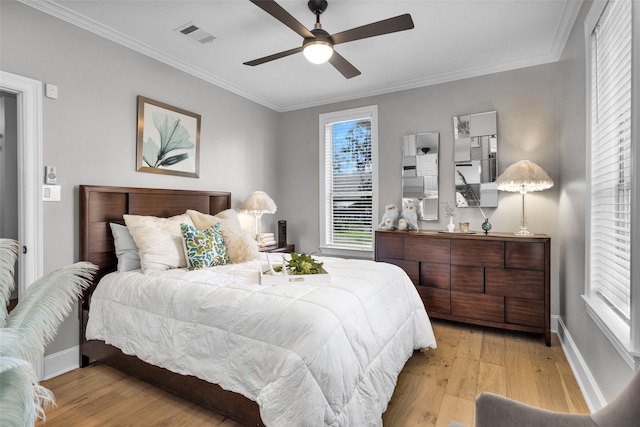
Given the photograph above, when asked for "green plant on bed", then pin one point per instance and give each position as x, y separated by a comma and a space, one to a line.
301, 264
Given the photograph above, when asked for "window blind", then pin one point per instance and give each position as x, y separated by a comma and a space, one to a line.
349, 184
611, 173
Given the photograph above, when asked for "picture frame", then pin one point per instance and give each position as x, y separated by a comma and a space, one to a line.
168, 139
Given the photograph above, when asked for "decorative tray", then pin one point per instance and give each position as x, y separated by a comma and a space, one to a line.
268, 279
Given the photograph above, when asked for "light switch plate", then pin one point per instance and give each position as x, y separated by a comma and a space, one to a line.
51, 193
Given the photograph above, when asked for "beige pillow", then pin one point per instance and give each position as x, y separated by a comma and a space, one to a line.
241, 247
159, 241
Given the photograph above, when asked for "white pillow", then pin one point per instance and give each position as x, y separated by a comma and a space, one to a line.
159, 241
126, 249
241, 247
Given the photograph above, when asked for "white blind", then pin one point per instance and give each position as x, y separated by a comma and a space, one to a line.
611, 179
349, 184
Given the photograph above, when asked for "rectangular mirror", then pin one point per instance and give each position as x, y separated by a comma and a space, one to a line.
476, 159
420, 169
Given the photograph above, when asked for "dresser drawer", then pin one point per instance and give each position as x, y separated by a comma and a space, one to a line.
477, 306
515, 283
436, 301
525, 255
524, 312
389, 246
467, 279
435, 275
478, 253
436, 251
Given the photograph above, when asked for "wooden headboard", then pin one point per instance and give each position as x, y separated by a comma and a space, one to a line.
100, 205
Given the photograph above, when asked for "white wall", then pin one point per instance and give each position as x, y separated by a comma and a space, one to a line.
90, 130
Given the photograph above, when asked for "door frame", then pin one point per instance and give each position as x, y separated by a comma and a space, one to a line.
30, 177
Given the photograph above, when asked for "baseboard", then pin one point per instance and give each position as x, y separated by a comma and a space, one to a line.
590, 390
61, 362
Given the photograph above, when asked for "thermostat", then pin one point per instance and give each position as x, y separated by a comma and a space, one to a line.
50, 175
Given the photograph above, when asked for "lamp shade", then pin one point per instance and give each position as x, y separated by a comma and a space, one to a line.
524, 176
259, 202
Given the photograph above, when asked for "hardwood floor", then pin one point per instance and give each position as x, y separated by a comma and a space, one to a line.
434, 388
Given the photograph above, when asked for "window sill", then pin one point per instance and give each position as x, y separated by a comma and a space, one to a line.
345, 252
616, 330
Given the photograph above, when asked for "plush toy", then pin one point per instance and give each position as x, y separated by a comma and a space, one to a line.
402, 224
409, 214
390, 218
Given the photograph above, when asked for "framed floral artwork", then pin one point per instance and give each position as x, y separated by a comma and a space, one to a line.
168, 139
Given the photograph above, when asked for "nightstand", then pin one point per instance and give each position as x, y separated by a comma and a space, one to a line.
287, 249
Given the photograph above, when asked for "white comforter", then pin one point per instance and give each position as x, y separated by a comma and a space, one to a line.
309, 355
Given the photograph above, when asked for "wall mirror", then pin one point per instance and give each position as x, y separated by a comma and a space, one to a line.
420, 160
476, 159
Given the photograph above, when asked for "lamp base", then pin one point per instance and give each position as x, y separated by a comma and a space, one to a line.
259, 230
523, 233
524, 229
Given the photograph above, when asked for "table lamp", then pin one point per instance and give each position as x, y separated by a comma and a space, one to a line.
524, 176
257, 204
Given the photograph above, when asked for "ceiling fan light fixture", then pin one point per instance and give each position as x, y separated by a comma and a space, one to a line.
317, 51
317, 44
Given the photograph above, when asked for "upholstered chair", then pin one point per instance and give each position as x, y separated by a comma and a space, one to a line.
497, 411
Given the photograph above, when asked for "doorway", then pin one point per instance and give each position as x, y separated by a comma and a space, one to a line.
30, 175
9, 174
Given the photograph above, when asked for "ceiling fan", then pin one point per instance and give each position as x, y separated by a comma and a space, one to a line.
317, 45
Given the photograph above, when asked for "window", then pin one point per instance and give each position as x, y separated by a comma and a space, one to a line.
611, 175
348, 181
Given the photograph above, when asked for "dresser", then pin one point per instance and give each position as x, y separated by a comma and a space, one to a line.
497, 280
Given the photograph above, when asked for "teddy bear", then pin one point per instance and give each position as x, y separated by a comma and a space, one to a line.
409, 215
390, 218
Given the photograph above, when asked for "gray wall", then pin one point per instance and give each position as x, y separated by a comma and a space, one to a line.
526, 102
90, 130
607, 367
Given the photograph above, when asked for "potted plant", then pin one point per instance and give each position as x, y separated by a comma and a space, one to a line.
299, 268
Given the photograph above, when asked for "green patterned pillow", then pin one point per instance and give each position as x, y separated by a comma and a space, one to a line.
203, 248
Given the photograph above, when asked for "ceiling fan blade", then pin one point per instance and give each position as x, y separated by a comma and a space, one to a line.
274, 56
275, 10
386, 26
345, 67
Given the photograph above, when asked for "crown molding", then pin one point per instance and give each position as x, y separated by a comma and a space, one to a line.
569, 14
81, 21
427, 81
568, 18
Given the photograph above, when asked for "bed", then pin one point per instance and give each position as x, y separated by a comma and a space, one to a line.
295, 354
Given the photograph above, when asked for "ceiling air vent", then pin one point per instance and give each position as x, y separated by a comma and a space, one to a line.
195, 33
